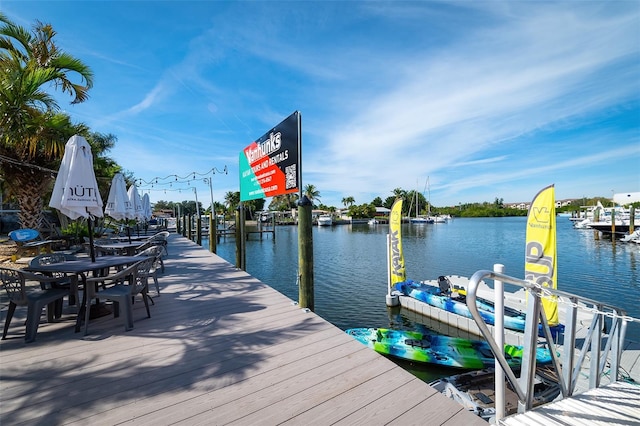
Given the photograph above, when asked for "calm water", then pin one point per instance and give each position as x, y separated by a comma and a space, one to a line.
350, 264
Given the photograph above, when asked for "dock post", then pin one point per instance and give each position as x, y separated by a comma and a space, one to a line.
213, 232
498, 298
241, 243
613, 225
305, 253
199, 230
189, 230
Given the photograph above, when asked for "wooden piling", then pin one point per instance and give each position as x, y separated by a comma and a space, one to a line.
213, 232
305, 253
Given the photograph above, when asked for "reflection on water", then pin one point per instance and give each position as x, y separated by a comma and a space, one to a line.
350, 265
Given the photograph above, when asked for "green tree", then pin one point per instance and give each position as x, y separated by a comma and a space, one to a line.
32, 134
312, 193
232, 199
283, 202
348, 201
362, 211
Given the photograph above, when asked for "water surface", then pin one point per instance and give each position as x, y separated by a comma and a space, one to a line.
350, 265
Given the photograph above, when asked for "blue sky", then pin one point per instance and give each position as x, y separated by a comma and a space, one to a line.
485, 99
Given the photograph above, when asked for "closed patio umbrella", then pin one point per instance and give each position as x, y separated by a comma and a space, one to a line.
118, 205
75, 193
136, 202
146, 207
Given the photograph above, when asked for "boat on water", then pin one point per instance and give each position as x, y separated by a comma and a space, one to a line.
325, 220
633, 237
373, 221
475, 391
439, 349
421, 220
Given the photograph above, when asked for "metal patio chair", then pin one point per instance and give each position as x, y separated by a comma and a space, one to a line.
121, 288
65, 281
34, 298
156, 253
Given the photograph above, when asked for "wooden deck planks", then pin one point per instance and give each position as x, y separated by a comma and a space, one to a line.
220, 348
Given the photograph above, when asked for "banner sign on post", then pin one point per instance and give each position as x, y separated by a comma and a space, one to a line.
270, 166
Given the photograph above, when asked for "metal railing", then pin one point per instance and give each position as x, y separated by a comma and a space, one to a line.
602, 353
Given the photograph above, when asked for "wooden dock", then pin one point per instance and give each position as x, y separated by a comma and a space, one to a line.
220, 348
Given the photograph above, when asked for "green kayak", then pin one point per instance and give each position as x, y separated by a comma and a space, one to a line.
439, 349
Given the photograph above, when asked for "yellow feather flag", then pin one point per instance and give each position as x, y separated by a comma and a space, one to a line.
396, 257
540, 254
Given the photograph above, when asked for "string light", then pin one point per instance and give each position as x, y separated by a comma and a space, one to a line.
158, 183
180, 179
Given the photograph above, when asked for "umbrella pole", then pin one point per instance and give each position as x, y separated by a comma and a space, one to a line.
92, 251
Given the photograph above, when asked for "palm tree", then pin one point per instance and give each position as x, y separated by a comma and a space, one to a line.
399, 193
232, 199
348, 201
311, 192
32, 134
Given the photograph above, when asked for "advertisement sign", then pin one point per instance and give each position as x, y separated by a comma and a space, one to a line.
270, 166
540, 251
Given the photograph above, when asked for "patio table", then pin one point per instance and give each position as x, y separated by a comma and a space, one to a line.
122, 247
125, 239
80, 268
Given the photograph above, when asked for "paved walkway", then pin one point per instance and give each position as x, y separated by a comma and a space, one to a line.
220, 348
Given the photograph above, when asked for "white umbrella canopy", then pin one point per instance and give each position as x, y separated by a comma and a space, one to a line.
118, 205
75, 192
146, 207
136, 202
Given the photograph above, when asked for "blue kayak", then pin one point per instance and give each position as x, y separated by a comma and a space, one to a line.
432, 295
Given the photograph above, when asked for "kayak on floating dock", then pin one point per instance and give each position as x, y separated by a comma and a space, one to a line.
438, 349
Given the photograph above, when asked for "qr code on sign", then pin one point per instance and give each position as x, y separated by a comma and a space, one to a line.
291, 177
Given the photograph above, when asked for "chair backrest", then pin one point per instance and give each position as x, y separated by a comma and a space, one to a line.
141, 275
127, 273
143, 246
154, 251
161, 236
48, 259
14, 283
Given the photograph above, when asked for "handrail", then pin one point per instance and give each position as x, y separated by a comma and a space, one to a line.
568, 372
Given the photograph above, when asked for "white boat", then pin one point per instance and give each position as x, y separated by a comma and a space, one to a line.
421, 220
633, 237
418, 219
373, 221
583, 224
325, 220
